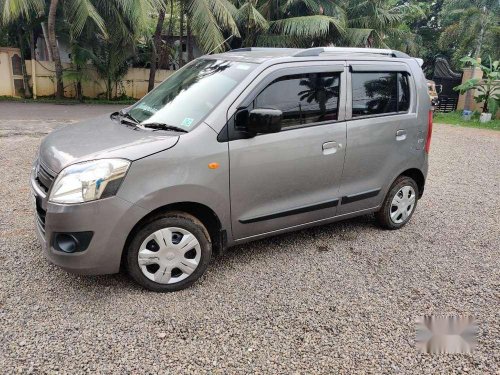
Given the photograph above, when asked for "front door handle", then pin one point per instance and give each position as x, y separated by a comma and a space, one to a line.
401, 135
331, 147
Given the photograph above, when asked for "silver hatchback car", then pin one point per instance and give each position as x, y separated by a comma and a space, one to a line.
231, 148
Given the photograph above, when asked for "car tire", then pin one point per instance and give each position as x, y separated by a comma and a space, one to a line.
169, 253
399, 204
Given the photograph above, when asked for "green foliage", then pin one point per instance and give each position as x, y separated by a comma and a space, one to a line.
209, 18
488, 88
113, 34
470, 28
13, 10
455, 118
289, 23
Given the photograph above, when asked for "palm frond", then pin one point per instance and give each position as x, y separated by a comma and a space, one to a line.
307, 26
206, 16
312, 5
78, 13
249, 17
273, 40
357, 37
13, 9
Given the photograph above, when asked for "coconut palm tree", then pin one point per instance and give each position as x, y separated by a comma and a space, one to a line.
111, 49
373, 23
11, 10
19, 16
212, 21
77, 13
471, 28
156, 43
289, 23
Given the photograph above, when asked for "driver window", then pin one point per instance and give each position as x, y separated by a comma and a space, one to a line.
303, 98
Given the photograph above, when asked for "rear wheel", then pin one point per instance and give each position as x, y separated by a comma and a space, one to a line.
169, 253
399, 204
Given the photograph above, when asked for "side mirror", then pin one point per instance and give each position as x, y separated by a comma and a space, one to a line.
260, 120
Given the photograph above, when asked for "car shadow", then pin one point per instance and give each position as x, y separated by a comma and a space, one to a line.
318, 237
341, 231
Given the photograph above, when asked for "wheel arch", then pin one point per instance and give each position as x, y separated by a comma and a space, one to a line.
418, 177
203, 213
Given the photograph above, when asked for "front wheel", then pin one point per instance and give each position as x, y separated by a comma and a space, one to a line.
399, 204
169, 253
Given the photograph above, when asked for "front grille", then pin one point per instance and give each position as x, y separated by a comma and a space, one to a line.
40, 214
44, 177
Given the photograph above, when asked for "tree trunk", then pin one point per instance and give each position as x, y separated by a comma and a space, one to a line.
189, 39
47, 41
481, 34
33, 62
55, 49
109, 94
181, 33
27, 91
79, 91
32, 44
169, 32
155, 50
369, 42
485, 105
79, 88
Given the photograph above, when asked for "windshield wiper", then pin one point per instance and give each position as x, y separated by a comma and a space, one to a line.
129, 118
161, 126
126, 117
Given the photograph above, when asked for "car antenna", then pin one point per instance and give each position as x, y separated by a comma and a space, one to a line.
232, 35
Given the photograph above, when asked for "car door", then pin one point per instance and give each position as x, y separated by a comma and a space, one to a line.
292, 177
381, 131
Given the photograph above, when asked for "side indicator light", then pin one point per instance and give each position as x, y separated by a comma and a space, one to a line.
213, 165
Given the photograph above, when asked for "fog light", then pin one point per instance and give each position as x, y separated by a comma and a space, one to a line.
71, 242
66, 243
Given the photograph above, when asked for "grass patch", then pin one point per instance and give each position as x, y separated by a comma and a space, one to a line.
67, 101
455, 118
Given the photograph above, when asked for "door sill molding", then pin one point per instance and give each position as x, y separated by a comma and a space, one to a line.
310, 223
360, 196
293, 211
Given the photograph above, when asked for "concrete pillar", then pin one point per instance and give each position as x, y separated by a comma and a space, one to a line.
466, 101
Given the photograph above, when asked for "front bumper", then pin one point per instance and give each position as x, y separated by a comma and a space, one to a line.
110, 220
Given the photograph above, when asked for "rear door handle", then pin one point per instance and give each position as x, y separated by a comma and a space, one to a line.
331, 147
401, 135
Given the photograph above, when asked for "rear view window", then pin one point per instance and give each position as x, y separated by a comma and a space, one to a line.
303, 98
379, 93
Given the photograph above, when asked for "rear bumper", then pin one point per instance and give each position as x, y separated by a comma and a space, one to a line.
110, 220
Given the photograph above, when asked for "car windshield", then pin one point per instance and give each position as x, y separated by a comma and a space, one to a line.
190, 94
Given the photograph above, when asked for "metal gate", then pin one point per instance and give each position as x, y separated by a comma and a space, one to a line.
447, 79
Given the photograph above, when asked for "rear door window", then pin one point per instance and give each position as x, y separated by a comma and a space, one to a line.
403, 92
303, 98
378, 93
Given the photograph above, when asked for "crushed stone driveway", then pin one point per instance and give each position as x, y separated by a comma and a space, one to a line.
340, 298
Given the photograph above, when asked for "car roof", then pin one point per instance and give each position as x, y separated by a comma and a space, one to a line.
261, 54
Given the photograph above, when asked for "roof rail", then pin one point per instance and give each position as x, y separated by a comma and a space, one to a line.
316, 51
249, 49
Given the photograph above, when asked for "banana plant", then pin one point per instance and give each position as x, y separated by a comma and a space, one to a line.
487, 89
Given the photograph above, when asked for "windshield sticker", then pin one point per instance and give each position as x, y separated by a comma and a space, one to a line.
242, 66
187, 122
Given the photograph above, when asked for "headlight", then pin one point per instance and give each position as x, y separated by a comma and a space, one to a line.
89, 181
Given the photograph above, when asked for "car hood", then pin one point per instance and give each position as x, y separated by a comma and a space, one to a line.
99, 138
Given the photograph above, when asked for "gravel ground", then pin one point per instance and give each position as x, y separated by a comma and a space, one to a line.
340, 298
